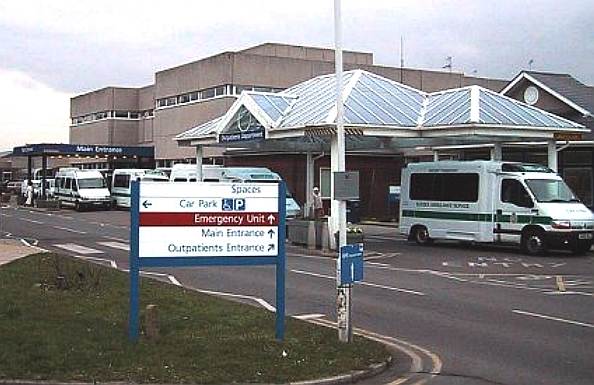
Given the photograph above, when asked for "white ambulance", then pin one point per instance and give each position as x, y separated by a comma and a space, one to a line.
121, 179
493, 202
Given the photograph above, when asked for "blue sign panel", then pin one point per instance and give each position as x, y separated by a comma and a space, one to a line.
351, 264
83, 149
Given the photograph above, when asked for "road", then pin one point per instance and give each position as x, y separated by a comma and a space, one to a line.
458, 314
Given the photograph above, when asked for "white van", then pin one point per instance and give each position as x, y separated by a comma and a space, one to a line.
120, 183
183, 172
81, 189
497, 202
261, 175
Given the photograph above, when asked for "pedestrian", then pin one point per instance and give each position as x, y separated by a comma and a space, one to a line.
317, 203
29, 201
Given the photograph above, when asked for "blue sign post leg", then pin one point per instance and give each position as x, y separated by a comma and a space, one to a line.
133, 320
281, 264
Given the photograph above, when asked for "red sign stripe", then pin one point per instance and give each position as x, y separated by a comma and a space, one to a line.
227, 219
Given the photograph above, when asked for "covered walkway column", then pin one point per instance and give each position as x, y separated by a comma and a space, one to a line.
496, 152
552, 154
199, 163
309, 185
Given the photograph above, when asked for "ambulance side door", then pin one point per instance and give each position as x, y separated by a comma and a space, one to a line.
513, 209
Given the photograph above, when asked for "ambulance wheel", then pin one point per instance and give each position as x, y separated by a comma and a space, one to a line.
534, 243
421, 235
77, 206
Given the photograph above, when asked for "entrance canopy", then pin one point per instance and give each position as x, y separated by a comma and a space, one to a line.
380, 115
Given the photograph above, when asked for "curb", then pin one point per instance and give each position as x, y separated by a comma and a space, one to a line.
351, 378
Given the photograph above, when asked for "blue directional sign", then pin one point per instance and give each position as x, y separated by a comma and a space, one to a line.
351, 264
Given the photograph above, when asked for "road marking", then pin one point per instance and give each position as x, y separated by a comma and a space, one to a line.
32, 221
116, 239
407, 348
388, 255
305, 317
112, 263
78, 249
69, 229
362, 283
116, 245
587, 325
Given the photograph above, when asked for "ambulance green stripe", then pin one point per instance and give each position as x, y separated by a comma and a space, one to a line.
476, 217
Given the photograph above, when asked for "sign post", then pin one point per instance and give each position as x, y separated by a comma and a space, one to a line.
207, 224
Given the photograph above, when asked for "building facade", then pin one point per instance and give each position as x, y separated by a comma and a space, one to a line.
182, 97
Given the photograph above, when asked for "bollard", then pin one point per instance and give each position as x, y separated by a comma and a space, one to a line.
152, 322
560, 283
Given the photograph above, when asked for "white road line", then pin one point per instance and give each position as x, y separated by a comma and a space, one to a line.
69, 229
78, 249
174, 280
32, 221
362, 283
112, 263
587, 325
264, 304
116, 239
116, 245
305, 317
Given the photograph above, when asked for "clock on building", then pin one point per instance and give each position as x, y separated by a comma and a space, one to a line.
531, 95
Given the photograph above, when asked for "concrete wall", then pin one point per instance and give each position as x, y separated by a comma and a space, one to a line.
169, 122
308, 53
205, 73
91, 133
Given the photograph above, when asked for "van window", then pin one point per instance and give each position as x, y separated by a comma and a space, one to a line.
92, 183
67, 184
74, 185
512, 191
180, 180
121, 180
450, 187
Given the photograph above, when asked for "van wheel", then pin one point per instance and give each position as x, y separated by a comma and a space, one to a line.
533, 242
77, 206
421, 235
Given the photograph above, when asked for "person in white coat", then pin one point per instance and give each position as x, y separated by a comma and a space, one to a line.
29, 201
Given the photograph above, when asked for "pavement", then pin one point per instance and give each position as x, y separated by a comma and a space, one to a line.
11, 249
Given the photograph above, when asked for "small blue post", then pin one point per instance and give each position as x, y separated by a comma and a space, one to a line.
281, 263
133, 320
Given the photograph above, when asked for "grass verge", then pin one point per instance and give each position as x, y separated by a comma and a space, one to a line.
64, 319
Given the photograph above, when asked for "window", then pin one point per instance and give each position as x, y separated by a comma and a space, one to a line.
68, 184
161, 102
207, 93
121, 114
172, 101
184, 98
579, 180
194, 96
92, 183
133, 115
513, 192
219, 91
121, 180
325, 189
460, 187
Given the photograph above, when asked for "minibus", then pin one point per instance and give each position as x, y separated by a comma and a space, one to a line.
81, 189
120, 183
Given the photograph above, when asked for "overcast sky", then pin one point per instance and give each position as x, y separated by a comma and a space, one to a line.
50, 51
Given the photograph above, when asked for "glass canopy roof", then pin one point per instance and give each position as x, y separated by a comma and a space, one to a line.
377, 103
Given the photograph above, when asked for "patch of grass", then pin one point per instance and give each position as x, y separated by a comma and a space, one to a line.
65, 319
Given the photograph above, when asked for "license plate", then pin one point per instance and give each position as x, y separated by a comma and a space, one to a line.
585, 236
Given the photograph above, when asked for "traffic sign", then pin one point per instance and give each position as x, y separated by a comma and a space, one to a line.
207, 224
208, 220
350, 264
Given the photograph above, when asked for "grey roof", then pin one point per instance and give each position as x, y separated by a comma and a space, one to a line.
372, 101
567, 86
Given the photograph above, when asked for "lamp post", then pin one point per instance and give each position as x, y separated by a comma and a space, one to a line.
344, 292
